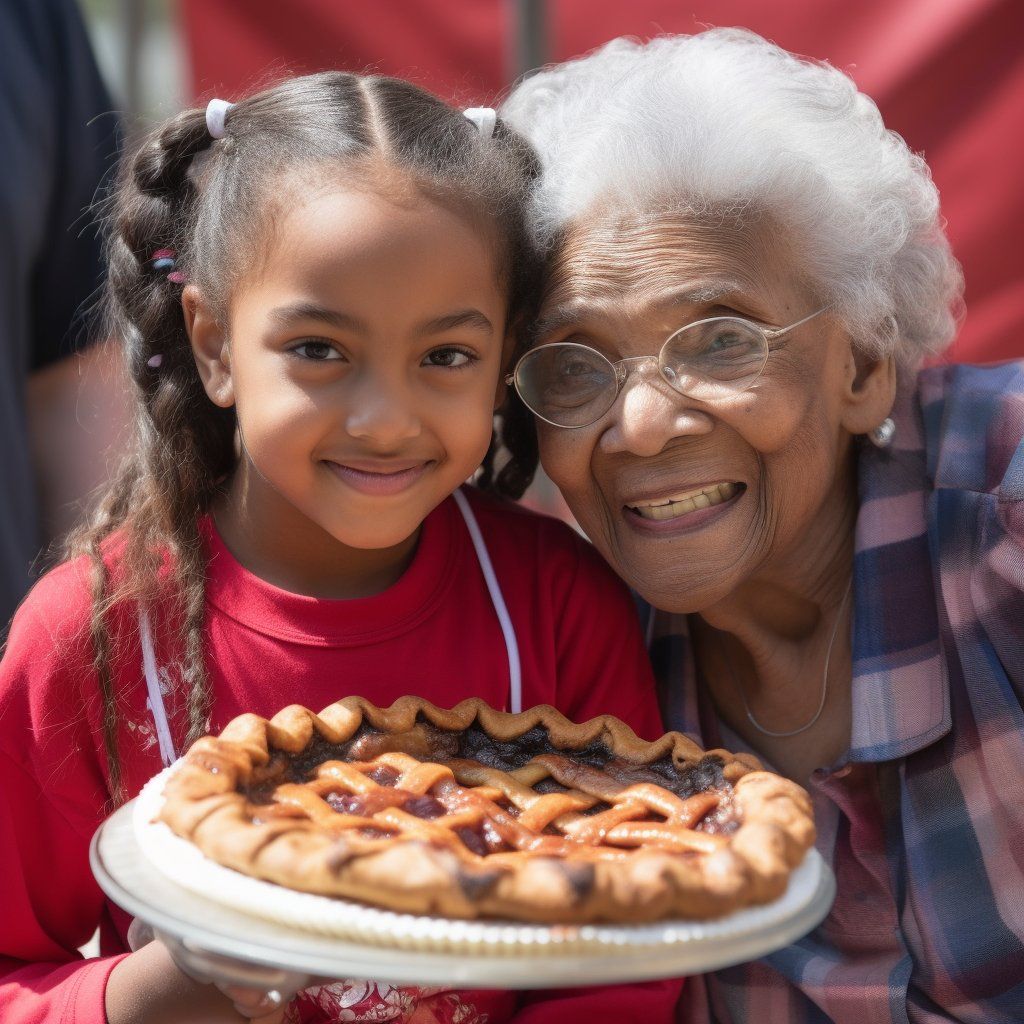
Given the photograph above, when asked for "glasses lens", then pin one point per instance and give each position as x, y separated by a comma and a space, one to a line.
567, 384
715, 357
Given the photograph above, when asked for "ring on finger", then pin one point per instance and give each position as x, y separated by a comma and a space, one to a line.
273, 1000
267, 1003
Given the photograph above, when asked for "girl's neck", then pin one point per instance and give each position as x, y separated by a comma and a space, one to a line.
276, 542
766, 646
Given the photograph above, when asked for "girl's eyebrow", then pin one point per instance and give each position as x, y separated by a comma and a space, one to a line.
288, 316
463, 318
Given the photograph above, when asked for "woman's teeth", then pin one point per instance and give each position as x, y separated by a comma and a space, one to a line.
690, 501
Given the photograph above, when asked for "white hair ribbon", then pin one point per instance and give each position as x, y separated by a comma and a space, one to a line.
484, 118
216, 111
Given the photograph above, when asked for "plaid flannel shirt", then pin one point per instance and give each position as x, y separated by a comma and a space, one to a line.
923, 819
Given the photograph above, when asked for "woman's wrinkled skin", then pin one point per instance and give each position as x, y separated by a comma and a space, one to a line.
769, 569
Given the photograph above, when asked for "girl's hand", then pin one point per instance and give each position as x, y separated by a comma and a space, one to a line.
166, 983
258, 993
258, 1006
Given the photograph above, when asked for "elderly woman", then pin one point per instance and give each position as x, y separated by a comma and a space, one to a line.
746, 273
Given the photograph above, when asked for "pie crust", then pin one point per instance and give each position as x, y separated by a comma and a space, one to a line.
474, 812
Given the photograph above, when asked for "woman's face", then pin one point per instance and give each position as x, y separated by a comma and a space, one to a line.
773, 461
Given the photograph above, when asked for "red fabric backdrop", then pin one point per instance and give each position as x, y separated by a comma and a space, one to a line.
948, 75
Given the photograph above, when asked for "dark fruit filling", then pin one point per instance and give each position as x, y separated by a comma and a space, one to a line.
425, 807
722, 820
346, 803
431, 743
473, 840
384, 775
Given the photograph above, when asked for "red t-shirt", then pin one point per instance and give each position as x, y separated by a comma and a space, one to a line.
433, 633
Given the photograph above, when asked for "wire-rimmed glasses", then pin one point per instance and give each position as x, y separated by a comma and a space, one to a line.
571, 385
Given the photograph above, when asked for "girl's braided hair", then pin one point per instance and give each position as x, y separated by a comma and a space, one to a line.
213, 213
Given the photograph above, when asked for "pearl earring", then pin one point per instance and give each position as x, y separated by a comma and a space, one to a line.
882, 435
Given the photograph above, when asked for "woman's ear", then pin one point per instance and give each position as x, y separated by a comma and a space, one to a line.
209, 348
508, 350
870, 391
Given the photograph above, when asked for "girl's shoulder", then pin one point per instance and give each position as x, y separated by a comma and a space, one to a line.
511, 524
538, 544
57, 608
50, 635
46, 670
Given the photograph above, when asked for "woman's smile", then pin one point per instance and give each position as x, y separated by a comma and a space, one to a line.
685, 509
684, 500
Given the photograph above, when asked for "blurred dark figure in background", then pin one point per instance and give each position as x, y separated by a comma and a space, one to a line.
58, 403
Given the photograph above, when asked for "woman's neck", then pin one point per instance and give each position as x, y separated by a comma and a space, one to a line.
777, 648
276, 542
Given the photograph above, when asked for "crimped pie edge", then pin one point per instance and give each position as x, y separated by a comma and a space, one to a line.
203, 805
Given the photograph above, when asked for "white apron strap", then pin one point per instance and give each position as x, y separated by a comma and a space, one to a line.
504, 619
156, 698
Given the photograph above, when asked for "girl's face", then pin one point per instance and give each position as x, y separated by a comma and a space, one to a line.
363, 357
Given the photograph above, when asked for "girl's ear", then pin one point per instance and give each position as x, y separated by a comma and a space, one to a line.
209, 348
870, 391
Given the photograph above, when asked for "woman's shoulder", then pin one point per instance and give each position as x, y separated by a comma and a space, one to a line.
974, 427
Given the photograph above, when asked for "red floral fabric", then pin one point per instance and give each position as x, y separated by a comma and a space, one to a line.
363, 1001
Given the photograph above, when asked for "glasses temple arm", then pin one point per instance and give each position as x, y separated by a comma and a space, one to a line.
785, 330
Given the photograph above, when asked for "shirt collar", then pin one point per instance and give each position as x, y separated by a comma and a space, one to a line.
900, 686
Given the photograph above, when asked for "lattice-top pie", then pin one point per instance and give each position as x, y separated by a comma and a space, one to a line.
474, 812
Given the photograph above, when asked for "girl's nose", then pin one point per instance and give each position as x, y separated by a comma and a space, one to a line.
649, 413
382, 413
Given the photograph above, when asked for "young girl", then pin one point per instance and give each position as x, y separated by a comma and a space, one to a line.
318, 289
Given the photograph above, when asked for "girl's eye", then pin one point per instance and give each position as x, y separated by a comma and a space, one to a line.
449, 358
317, 351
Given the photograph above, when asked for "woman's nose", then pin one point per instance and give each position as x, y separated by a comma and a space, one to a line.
649, 413
381, 412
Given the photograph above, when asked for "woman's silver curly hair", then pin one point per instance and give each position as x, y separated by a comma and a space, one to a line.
727, 124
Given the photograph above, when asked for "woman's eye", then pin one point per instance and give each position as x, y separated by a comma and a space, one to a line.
576, 368
318, 351
724, 340
449, 358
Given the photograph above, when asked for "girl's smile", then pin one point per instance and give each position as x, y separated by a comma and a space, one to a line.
381, 478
